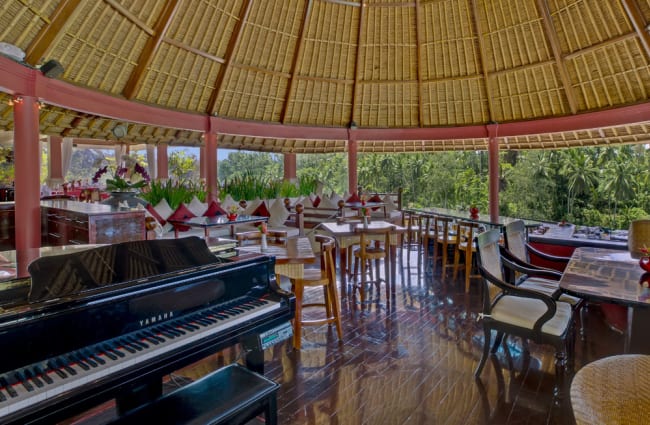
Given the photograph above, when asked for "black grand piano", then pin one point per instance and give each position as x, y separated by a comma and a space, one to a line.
111, 321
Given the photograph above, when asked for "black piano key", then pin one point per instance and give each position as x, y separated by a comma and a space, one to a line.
55, 368
43, 374
114, 349
21, 379
74, 358
165, 332
153, 336
4, 383
109, 354
137, 343
2, 396
35, 379
66, 366
87, 357
128, 347
96, 357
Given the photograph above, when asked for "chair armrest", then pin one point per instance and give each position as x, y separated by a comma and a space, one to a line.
515, 263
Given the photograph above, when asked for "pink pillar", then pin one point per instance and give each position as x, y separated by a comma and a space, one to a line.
202, 172
211, 184
290, 166
493, 168
27, 173
55, 166
352, 163
162, 161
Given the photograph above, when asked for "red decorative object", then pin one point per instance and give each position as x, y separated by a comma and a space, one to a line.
644, 262
473, 213
232, 217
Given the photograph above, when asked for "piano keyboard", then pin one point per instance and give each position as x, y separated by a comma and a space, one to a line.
36, 383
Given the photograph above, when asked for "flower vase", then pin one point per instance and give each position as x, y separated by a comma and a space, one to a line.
365, 221
263, 246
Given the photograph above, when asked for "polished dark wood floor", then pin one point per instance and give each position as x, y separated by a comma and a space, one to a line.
412, 361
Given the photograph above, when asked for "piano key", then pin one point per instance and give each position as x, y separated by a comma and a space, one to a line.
57, 381
31, 376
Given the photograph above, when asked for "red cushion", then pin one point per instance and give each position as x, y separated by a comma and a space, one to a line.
181, 213
214, 209
353, 198
155, 214
261, 211
375, 198
316, 201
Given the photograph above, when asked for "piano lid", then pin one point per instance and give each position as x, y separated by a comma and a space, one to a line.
61, 275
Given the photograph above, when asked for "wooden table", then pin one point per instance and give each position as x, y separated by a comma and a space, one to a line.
290, 259
609, 275
344, 233
216, 221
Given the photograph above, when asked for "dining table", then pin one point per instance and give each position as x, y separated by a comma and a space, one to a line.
290, 257
346, 236
612, 276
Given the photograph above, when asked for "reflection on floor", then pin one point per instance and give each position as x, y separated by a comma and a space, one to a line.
412, 362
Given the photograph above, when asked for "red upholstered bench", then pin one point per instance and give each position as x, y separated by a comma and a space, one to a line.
231, 395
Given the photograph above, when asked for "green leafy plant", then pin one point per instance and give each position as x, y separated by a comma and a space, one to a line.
173, 192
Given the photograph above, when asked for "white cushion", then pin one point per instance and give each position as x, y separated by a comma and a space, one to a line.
326, 202
390, 205
163, 209
279, 213
306, 202
335, 199
251, 206
524, 312
197, 207
227, 202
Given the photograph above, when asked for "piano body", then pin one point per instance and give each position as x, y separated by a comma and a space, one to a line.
110, 322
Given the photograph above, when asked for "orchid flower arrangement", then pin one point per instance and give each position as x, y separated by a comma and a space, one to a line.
128, 175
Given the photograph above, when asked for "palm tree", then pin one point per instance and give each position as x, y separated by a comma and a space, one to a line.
581, 174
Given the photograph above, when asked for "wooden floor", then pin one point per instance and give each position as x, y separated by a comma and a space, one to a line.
412, 362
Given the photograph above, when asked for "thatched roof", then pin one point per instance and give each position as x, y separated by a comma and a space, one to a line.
381, 64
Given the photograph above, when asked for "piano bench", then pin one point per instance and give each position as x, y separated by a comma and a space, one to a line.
231, 395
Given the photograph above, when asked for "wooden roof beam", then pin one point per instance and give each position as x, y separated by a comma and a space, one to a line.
418, 38
234, 40
46, 36
297, 52
481, 48
551, 36
639, 23
362, 15
150, 49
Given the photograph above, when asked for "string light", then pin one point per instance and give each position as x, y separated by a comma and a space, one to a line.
15, 100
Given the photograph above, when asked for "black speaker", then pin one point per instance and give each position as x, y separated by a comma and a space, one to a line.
52, 68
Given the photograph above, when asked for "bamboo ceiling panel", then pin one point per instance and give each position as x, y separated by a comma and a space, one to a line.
327, 63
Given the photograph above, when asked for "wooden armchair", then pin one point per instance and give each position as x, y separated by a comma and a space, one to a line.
528, 314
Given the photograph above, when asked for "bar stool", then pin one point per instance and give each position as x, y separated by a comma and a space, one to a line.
446, 238
369, 250
429, 233
325, 277
465, 244
412, 221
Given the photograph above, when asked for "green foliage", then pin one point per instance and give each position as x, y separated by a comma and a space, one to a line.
183, 166
174, 192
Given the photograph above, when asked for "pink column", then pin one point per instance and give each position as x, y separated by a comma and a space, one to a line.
54, 161
202, 162
493, 168
27, 153
211, 184
352, 163
290, 166
162, 161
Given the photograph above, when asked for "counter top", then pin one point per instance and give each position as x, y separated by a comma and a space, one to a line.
556, 234
89, 208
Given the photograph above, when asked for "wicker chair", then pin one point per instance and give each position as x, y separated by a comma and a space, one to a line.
512, 310
613, 390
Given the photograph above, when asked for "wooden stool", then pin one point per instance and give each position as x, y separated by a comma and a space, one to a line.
325, 277
445, 239
369, 251
465, 234
613, 390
